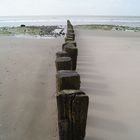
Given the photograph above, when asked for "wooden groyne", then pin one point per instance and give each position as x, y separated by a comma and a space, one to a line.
72, 103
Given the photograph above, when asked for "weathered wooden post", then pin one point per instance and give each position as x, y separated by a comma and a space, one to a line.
72, 103
70, 35
69, 39
63, 63
69, 25
62, 54
72, 52
67, 79
72, 114
67, 45
69, 42
70, 31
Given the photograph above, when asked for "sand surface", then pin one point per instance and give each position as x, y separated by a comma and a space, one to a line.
109, 64
27, 89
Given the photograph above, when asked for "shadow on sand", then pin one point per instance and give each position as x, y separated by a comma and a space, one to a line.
95, 85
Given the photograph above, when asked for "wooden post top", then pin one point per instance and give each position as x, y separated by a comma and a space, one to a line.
61, 59
67, 73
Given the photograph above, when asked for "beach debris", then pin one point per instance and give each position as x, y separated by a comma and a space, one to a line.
50, 31
22, 25
59, 32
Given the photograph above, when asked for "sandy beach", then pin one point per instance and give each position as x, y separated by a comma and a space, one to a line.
27, 88
109, 65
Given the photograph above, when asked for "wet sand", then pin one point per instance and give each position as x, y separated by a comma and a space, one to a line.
109, 65
27, 88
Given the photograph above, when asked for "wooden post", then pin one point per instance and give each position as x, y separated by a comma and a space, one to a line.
70, 35
72, 52
63, 63
70, 31
69, 39
61, 54
72, 114
69, 25
67, 79
69, 43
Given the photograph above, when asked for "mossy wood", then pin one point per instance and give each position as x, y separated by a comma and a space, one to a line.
72, 52
69, 30
63, 63
69, 39
70, 35
62, 54
67, 79
69, 25
69, 43
72, 114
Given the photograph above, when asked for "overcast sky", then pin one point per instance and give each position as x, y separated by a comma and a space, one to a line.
69, 7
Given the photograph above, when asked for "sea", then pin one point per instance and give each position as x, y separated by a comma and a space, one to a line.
13, 21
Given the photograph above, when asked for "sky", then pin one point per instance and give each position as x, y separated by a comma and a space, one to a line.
70, 7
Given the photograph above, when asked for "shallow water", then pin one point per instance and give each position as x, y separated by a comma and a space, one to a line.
76, 20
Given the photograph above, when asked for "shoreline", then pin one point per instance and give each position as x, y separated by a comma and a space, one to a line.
58, 30
107, 27
33, 31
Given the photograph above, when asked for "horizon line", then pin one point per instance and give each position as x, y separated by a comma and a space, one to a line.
70, 15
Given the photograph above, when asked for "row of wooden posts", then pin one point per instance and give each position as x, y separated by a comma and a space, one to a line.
72, 103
